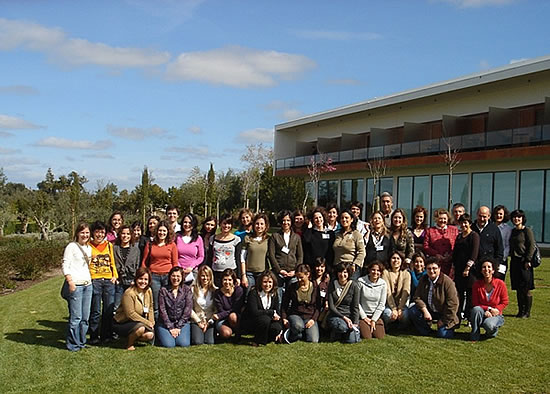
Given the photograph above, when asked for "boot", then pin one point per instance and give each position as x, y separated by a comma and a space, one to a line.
521, 303
528, 304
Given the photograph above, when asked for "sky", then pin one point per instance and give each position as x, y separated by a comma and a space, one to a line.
107, 87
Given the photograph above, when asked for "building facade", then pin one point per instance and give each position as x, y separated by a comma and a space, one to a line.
498, 123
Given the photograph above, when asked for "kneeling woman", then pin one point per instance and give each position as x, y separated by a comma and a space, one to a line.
372, 301
489, 298
202, 329
343, 303
135, 317
175, 305
262, 315
229, 301
300, 309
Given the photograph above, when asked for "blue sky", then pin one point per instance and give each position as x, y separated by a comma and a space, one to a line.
108, 87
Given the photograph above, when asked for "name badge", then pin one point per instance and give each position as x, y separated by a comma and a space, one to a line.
501, 269
326, 236
285, 250
323, 293
145, 309
379, 248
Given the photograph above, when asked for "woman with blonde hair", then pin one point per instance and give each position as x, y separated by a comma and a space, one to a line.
204, 310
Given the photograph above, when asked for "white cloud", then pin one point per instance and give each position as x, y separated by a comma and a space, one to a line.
13, 123
344, 82
19, 90
136, 133
336, 35
255, 135
284, 110
478, 3
74, 51
7, 151
195, 130
238, 67
63, 143
512, 61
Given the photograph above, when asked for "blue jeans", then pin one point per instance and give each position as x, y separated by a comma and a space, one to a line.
157, 282
339, 329
490, 324
403, 323
297, 329
103, 302
119, 291
198, 337
424, 327
167, 340
79, 302
251, 277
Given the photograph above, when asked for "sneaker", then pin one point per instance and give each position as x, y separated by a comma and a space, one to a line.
286, 335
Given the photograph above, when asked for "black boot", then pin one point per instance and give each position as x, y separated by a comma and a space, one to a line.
528, 304
521, 304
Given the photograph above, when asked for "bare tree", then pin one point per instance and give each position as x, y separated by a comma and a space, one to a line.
257, 156
451, 161
315, 169
377, 168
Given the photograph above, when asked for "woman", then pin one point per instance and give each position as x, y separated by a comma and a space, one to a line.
254, 252
299, 224
115, 222
464, 259
76, 258
159, 257
152, 223
489, 298
317, 241
285, 252
377, 246
224, 250
372, 300
398, 283
420, 217
332, 218
300, 308
440, 241
522, 249
203, 313
134, 318
417, 271
245, 223
229, 301
190, 247
501, 216
262, 310
175, 306
127, 260
208, 230
343, 303
322, 280
349, 246
137, 230
401, 238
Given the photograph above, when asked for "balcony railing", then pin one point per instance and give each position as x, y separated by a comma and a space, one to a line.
535, 135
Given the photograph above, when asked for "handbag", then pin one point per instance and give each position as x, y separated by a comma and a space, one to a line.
536, 260
323, 317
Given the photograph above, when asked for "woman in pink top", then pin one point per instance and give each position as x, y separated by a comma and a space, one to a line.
115, 223
190, 247
440, 241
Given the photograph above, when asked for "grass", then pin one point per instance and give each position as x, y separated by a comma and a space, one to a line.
33, 358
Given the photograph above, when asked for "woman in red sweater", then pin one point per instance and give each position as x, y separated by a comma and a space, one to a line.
489, 298
160, 256
439, 241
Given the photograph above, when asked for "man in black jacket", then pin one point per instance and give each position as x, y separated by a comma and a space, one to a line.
490, 240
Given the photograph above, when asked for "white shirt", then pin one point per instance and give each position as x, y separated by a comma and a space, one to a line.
75, 264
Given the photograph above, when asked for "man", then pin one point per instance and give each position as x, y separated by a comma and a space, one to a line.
172, 215
386, 205
490, 239
458, 211
435, 299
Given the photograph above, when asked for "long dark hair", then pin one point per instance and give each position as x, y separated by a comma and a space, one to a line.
194, 224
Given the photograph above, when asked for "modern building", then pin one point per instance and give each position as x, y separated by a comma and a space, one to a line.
498, 121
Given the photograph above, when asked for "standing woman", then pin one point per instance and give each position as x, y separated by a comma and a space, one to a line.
349, 246
152, 223
76, 258
501, 216
254, 252
224, 250
134, 318
229, 301
440, 241
299, 224
317, 240
419, 227
127, 260
245, 223
159, 257
203, 313
190, 247
285, 252
208, 230
332, 217
378, 241
401, 239
465, 255
522, 249
115, 223
398, 282
137, 230
372, 300
175, 306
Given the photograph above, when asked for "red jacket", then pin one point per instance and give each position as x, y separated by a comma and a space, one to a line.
499, 298
440, 241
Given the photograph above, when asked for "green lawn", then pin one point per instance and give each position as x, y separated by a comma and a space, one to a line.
33, 358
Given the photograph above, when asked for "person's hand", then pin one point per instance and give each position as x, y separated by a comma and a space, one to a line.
488, 314
399, 314
309, 323
244, 281
348, 322
215, 317
494, 312
285, 323
72, 286
394, 315
283, 273
203, 325
466, 272
113, 280
353, 268
276, 317
527, 265
175, 332
372, 325
427, 316
291, 274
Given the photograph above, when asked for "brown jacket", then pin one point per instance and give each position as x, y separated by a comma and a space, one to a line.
280, 260
444, 298
132, 309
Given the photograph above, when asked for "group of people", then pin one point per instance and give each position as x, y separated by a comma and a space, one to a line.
327, 273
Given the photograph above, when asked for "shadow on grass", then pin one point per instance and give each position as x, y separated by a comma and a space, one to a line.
52, 336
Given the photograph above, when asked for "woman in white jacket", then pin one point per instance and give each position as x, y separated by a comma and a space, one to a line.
372, 300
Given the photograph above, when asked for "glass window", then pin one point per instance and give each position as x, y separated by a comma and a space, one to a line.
440, 191
384, 185
421, 193
351, 190
547, 209
370, 197
332, 195
461, 190
531, 199
310, 190
404, 194
505, 189
322, 198
482, 191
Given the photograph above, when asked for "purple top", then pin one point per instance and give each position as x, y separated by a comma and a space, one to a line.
175, 312
225, 305
111, 237
189, 255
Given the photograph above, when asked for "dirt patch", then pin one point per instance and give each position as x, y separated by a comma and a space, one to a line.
25, 284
